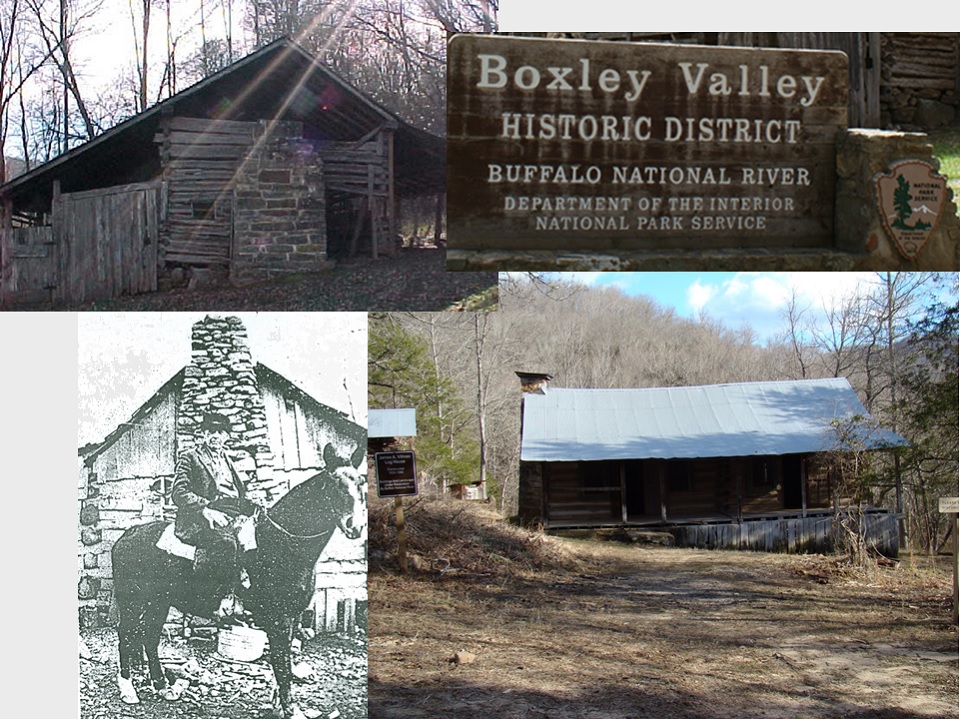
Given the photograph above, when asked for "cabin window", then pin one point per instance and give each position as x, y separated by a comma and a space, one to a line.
680, 476
204, 209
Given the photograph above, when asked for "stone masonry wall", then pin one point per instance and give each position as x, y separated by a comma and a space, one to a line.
279, 221
862, 155
221, 378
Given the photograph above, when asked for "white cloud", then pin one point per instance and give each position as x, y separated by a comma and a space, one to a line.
699, 295
759, 299
819, 290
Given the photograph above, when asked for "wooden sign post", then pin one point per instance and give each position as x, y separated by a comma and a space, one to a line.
951, 505
561, 145
397, 478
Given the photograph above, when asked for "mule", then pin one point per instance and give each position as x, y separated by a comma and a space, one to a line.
290, 537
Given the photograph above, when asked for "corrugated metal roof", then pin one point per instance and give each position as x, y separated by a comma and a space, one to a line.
392, 423
729, 420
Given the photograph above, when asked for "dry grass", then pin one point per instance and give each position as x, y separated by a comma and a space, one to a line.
466, 539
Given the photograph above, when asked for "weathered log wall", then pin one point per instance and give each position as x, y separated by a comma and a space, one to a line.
920, 83
200, 159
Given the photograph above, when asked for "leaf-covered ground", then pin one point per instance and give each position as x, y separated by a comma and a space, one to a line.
414, 280
496, 622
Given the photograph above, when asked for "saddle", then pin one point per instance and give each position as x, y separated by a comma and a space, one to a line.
245, 528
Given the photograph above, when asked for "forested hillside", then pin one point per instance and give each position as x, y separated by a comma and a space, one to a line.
894, 341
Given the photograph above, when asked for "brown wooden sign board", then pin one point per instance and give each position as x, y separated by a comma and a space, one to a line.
598, 146
396, 474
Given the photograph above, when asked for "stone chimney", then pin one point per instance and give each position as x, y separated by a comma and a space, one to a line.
531, 383
534, 383
221, 378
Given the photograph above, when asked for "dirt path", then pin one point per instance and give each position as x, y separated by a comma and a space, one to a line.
667, 633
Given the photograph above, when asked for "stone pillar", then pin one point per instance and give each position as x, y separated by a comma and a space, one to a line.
279, 222
221, 378
862, 156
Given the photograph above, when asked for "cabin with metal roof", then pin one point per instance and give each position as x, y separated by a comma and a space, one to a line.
274, 164
733, 465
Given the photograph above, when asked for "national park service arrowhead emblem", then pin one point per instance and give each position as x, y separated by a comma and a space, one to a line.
911, 196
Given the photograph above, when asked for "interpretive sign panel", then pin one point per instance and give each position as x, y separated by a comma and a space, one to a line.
584, 145
396, 474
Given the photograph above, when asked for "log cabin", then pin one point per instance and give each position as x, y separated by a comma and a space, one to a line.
731, 466
281, 436
272, 165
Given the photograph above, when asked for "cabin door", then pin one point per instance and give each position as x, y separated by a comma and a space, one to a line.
792, 467
636, 490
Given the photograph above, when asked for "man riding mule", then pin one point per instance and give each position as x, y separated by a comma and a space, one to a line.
210, 496
290, 537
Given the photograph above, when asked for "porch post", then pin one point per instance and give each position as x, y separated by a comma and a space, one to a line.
662, 476
440, 208
623, 491
371, 208
391, 189
803, 487
738, 477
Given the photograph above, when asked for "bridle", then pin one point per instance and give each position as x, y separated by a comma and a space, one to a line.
263, 513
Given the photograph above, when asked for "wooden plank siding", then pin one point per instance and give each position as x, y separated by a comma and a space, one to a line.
359, 178
107, 241
921, 60
35, 267
593, 492
100, 244
795, 535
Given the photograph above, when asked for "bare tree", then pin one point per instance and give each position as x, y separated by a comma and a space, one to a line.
9, 19
57, 33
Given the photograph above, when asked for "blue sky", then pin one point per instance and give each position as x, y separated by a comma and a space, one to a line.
735, 299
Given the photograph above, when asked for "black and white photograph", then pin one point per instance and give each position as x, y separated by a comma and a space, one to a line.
221, 554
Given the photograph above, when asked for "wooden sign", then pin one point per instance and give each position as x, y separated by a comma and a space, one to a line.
949, 505
583, 146
911, 196
396, 474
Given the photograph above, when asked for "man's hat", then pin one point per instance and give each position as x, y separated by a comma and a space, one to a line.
213, 422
